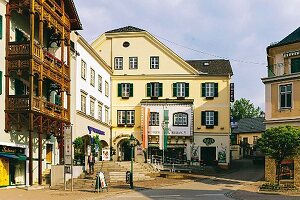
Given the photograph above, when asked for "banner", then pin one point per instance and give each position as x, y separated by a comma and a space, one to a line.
166, 129
145, 126
68, 145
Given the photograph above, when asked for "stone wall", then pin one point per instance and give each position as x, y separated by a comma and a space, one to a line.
270, 170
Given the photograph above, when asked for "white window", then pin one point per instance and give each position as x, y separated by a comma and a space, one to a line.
125, 89
118, 63
180, 119
100, 111
92, 107
180, 89
130, 117
133, 62
106, 88
106, 115
100, 83
121, 117
83, 102
154, 62
209, 91
83, 69
154, 119
209, 120
285, 96
125, 117
92, 77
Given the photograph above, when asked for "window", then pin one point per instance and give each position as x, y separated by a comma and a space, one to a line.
209, 90
106, 88
180, 119
100, 110
100, 83
1, 22
118, 63
255, 139
295, 65
125, 90
106, 114
92, 107
154, 62
209, 118
125, 117
83, 102
154, 119
83, 69
92, 77
180, 89
154, 90
285, 96
133, 62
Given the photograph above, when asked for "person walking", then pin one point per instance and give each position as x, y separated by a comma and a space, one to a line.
91, 161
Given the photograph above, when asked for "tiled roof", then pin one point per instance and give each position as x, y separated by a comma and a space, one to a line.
250, 125
126, 29
291, 38
212, 67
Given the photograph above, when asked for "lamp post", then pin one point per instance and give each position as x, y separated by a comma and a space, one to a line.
132, 144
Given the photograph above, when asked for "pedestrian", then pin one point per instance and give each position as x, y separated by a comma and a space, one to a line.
91, 161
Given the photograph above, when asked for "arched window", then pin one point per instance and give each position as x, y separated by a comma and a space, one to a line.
180, 119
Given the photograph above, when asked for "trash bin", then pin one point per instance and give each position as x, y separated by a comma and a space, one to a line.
128, 177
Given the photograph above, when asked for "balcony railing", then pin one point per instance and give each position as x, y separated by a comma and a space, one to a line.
18, 102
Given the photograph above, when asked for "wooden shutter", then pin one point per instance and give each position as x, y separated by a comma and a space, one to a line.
216, 90
174, 89
131, 90
187, 87
203, 118
216, 121
148, 89
160, 90
1, 27
203, 89
119, 89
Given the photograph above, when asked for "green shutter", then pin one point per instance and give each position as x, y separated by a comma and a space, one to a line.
174, 89
119, 89
131, 90
216, 89
148, 89
0, 82
160, 93
216, 118
203, 118
203, 89
187, 87
1, 22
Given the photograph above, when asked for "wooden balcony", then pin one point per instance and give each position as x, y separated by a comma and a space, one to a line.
20, 103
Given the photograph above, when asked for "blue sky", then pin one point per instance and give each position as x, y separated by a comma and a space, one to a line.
239, 30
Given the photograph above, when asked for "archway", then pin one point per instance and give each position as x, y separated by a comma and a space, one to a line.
125, 150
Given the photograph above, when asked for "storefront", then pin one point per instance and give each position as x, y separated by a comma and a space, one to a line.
12, 166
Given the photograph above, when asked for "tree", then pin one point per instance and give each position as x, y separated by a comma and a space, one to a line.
242, 108
279, 143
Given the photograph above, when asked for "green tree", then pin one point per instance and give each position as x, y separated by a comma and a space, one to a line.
243, 108
79, 149
280, 143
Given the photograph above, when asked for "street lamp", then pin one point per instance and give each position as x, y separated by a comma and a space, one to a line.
132, 141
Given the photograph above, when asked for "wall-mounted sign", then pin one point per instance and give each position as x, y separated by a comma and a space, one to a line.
208, 141
8, 149
231, 92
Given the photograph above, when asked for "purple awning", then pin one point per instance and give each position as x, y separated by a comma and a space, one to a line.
91, 129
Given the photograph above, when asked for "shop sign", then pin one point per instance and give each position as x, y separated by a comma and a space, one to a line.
105, 154
8, 149
231, 92
68, 145
208, 141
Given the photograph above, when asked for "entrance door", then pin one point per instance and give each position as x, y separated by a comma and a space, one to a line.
208, 155
4, 172
126, 151
49, 149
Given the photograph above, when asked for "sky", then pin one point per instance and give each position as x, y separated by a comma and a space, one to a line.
238, 30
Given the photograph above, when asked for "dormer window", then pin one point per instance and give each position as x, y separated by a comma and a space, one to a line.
295, 65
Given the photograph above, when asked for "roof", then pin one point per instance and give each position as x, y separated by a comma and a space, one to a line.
125, 29
73, 15
212, 67
250, 125
291, 38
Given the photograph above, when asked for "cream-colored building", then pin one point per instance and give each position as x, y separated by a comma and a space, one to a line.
167, 103
282, 97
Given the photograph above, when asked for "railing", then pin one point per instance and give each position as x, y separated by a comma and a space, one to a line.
18, 48
52, 61
18, 102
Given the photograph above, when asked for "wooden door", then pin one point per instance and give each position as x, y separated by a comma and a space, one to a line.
4, 172
49, 149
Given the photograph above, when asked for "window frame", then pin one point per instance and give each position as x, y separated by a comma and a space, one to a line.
286, 93
83, 102
180, 91
92, 107
125, 90
106, 89
118, 64
100, 107
181, 116
129, 117
209, 89
99, 83
154, 119
92, 78
133, 62
106, 117
154, 62
83, 69
209, 118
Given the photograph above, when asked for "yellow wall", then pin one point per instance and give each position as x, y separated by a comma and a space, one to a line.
249, 136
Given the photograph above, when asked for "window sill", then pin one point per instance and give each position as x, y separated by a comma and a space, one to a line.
285, 109
180, 98
154, 98
209, 126
209, 98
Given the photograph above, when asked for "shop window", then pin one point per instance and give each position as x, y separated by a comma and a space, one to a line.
286, 170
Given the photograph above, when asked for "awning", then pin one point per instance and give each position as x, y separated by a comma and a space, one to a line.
91, 129
13, 156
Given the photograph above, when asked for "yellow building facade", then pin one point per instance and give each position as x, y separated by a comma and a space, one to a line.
282, 101
176, 109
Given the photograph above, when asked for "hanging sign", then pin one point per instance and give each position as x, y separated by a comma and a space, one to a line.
231, 92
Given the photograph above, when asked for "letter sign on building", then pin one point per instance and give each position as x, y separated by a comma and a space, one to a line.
231, 92
209, 141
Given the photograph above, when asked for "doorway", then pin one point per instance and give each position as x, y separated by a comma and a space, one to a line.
208, 155
125, 151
